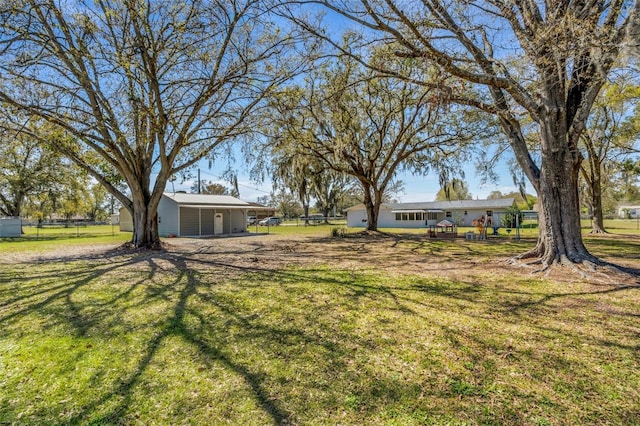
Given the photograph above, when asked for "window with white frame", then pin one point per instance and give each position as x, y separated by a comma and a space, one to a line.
409, 216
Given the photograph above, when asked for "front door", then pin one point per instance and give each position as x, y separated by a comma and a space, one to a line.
217, 224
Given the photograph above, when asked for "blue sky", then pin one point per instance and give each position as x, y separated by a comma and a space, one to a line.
417, 188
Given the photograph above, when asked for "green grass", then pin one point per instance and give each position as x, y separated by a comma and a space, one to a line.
52, 238
164, 339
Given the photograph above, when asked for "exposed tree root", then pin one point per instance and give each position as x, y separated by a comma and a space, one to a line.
598, 232
586, 267
129, 246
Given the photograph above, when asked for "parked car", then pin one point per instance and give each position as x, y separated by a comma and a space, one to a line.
270, 221
252, 220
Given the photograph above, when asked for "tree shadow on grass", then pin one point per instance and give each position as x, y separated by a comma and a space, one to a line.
67, 282
60, 301
176, 327
193, 278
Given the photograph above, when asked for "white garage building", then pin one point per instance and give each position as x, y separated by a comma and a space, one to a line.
197, 215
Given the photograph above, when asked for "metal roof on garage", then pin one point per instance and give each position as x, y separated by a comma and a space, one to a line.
213, 206
205, 199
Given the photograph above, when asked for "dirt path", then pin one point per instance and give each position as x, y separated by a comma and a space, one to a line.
407, 254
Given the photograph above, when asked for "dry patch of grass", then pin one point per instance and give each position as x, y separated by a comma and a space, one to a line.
357, 330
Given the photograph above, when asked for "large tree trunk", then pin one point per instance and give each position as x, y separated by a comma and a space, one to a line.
560, 234
145, 226
560, 239
305, 209
326, 211
372, 207
372, 215
595, 192
144, 213
597, 215
591, 174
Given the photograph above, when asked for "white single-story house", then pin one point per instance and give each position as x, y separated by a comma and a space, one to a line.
10, 227
197, 215
425, 214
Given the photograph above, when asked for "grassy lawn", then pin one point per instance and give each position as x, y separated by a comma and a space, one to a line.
176, 338
51, 238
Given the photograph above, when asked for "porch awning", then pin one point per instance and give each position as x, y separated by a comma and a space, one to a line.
409, 211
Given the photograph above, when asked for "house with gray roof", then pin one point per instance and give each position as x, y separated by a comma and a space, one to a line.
426, 214
198, 215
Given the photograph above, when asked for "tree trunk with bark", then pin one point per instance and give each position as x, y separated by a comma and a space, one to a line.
597, 214
593, 177
560, 238
144, 209
145, 227
372, 206
305, 209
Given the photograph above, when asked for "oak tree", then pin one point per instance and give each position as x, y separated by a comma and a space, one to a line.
150, 87
27, 168
609, 138
523, 61
368, 127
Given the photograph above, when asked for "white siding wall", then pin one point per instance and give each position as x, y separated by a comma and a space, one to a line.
387, 219
168, 217
357, 218
238, 221
473, 215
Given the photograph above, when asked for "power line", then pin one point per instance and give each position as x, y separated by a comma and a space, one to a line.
239, 184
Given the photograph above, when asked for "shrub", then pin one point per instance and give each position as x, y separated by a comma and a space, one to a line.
339, 232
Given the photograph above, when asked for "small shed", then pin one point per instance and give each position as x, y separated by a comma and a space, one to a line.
197, 215
10, 227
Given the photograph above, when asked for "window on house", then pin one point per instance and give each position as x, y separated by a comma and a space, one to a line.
489, 213
447, 214
398, 216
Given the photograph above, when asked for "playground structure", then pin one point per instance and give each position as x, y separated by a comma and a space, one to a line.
484, 223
